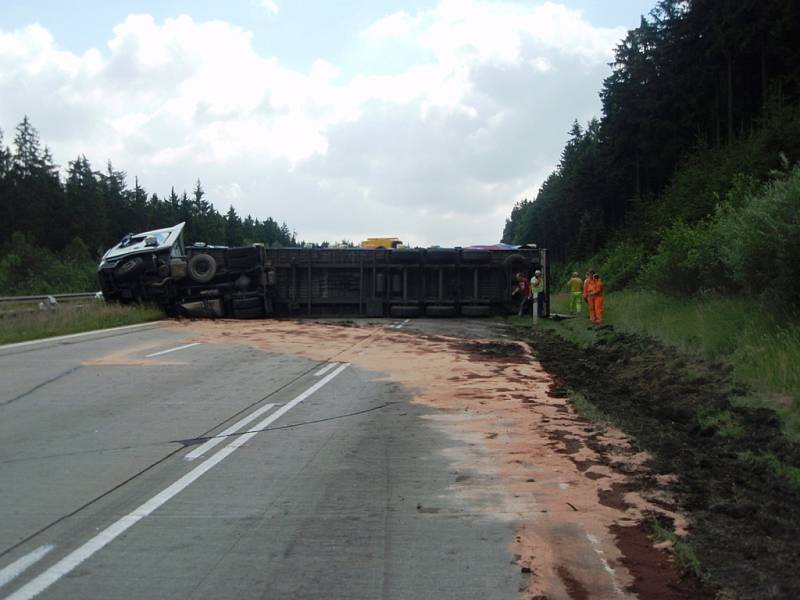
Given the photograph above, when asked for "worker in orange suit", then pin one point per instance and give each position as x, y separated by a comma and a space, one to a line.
596, 299
588, 283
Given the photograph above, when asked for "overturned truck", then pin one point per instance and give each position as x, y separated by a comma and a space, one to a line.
255, 282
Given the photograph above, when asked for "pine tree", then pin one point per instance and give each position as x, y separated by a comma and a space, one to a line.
233, 229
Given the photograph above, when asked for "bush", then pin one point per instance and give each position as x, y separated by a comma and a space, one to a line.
621, 263
759, 240
683, 260
26, 268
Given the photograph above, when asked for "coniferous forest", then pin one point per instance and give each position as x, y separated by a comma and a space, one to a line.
52, 231
688, 181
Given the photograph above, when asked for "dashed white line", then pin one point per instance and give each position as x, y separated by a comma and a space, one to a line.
18, 566
596, 546
401, 325
325, 369
219, 438
47, 578
172, 350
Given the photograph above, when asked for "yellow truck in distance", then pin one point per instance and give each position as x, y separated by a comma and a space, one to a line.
389, 243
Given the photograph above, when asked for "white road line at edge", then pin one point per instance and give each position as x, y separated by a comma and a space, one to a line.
172, 350
44, 580
22, 563
58, 338
220, 437
325, 369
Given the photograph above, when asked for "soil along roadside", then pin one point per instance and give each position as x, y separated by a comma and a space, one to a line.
738, 478
521, 454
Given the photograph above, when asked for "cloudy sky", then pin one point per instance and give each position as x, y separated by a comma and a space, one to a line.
424, 119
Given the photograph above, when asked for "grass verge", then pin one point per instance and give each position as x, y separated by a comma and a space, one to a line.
25, 324
737, 473
762, 349
684, 553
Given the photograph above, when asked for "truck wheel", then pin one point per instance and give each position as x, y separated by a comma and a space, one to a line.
202, 268
129, 269
516, 263
475, 310
241, 259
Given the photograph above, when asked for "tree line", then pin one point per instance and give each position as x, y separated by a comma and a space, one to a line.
98, 208
700, 91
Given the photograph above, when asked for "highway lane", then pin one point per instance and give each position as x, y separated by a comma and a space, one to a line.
345, 495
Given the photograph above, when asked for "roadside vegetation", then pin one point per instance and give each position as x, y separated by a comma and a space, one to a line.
24, 322
690, 405
761, 348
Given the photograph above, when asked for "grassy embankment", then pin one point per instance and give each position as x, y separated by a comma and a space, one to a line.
763, 350
23, 323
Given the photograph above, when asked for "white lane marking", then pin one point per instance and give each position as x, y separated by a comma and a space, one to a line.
220, 437
596, 546
58, 338
400, 326
172, 350
325, 369
18, 566
44, 580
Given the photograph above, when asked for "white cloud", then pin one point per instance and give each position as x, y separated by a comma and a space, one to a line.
271, 6
458, 136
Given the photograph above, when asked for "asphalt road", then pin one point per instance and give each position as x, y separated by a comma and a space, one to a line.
135, 466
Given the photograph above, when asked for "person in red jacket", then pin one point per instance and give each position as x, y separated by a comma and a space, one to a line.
596, 293
523, 290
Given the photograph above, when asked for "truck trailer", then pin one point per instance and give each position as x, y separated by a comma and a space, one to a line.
253, 281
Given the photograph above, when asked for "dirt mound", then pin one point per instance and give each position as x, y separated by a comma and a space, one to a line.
508, 352
738, 476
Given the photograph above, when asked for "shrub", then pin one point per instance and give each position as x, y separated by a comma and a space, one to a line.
759, 240
26, 268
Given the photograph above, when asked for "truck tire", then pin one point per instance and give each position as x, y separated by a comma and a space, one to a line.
241, 259
130, 269
440, 311
476, 310
202, 268
516, 263
404, 311
476, 256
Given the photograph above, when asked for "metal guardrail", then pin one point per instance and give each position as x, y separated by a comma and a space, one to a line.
58, 297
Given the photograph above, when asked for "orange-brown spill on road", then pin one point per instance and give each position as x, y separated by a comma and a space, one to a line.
530, 460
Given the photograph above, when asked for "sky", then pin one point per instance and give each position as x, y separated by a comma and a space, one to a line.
425, 120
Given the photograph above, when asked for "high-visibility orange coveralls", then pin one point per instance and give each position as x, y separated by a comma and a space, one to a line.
588, 289
596, 301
